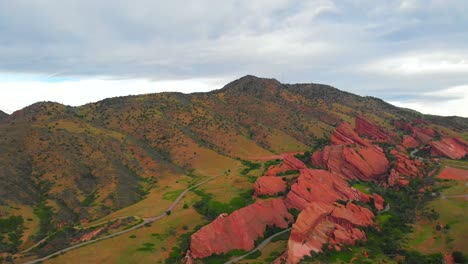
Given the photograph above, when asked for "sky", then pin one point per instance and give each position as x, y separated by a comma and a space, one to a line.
411, 53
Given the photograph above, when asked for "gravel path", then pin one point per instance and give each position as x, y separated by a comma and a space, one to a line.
145, 221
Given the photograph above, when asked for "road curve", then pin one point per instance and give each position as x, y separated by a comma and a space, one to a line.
264, 243
145, 221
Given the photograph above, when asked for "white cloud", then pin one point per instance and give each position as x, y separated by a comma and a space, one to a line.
22, 91
436, 62
452, 101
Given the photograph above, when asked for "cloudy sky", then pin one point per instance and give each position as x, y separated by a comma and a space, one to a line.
413, 53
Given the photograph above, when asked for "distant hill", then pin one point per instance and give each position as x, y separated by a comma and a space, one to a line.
3, 115
111, 152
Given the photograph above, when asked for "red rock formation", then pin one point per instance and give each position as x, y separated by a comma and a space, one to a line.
450, 173
410, 142
423, 134
364, 127
323, 186
454, 148
378, 202
405, 126
240, 229
345, 135
364, 163
395, 179
269, 185
322, 223
289, 163
88, 236
404, 168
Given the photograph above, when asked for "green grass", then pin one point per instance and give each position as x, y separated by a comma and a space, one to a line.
171, 196
450, 211
363, 187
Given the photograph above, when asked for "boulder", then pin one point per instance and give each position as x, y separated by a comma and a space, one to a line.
453, 148
378, 202
410, 142
345, 135
269, 185
240, 229
289, 163
323, 223
364, 127
353, 163
321, 186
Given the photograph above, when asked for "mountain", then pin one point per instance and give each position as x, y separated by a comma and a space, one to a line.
72, 165
3, 115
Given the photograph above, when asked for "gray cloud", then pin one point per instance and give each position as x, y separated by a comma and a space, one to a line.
359, 46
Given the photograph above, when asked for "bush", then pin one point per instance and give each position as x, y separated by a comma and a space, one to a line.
249, 166
458, 257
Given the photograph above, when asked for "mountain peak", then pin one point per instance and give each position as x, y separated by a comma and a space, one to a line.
251, 83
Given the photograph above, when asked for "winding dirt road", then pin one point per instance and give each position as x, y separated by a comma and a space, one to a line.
145, 221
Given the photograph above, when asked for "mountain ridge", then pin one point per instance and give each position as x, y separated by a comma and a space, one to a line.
82, 163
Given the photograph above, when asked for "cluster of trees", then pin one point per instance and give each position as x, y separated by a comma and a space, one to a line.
211, 209
11, 231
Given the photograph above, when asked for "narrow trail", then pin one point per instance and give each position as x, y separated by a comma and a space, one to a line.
263, 244
145, 221
272, 157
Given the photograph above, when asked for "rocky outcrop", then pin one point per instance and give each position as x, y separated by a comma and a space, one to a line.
289, 163
423, 134
396, 179
404, 168
269, 185
410, 142
352, 156
378, 201
364, 127
453, 148
323, 223
321, 186
403, 125
240, 229
353, 163
345, 135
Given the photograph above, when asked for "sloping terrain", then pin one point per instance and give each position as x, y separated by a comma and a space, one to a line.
73, 165
3, 115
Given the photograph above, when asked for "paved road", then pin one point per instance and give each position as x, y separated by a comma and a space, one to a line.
264, 243
145, 221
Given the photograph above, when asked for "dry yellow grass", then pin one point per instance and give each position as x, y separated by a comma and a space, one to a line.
281, 142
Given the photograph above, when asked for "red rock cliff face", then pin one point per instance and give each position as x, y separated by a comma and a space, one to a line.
322, 223
352, 156
371, 130
269, 185
454, 148
423, 134
289, 163
345, 135
363, 163
320, 186
240, 229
